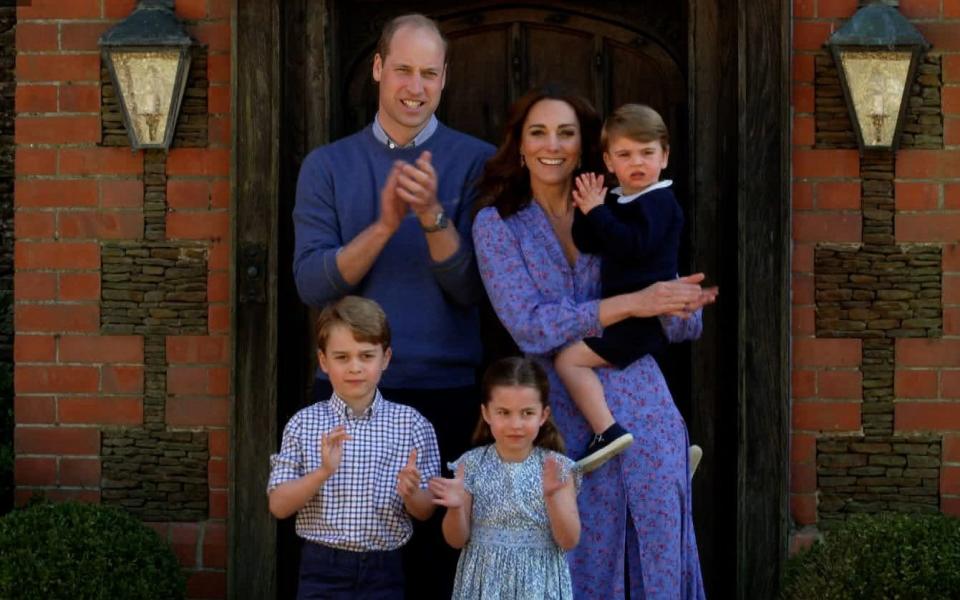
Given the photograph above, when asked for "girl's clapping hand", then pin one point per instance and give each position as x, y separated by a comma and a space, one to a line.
449, 492
552, 479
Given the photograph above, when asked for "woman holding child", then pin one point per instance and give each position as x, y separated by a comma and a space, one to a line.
637, 528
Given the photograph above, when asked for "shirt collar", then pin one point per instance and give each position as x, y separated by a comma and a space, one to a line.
628, 199
340, 407
418, 140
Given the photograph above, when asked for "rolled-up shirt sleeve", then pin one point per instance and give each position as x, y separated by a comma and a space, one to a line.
287, 464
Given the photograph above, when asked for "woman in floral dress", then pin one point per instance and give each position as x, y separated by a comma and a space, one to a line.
637, 527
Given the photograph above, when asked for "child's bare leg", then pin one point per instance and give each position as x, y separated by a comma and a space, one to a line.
575, 365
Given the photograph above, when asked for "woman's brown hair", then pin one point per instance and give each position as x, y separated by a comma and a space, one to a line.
519, 371
505, 183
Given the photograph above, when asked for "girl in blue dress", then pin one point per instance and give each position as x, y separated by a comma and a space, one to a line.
512, 504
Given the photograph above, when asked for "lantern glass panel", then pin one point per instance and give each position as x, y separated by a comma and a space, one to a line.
147, 81
876, 82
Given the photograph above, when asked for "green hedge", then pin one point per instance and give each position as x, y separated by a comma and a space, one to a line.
84, 551
875, 557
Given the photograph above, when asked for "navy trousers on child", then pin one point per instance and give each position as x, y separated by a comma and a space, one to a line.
330, 574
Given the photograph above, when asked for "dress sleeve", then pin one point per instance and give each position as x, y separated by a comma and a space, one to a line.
538, 324
682, 330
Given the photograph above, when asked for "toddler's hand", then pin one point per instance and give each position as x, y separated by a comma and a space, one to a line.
449, 492
408, 479
552, 479
331, 448
589, 193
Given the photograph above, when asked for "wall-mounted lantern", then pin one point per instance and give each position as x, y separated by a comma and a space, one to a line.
877, 52
148, 56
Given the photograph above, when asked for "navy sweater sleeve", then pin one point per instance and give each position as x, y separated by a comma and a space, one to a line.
641, 234
457, 275
318, 235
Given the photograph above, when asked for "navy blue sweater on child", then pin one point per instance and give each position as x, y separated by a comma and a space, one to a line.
638, 239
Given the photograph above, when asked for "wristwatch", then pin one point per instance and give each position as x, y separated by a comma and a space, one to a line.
440, 222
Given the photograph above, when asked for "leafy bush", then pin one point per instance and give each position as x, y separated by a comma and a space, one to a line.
84, 551
904, 556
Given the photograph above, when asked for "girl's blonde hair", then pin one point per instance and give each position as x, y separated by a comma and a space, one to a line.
519, 371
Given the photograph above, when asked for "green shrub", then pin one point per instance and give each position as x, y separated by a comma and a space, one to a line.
84, 551
874, 557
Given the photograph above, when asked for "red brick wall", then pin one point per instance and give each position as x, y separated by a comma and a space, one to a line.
826, 374
70, 195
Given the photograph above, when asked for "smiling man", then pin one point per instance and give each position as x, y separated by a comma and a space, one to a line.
386, 214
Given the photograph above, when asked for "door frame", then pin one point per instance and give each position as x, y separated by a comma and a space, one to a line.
739, 72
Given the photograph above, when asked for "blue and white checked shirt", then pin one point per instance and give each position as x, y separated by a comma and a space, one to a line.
358, 508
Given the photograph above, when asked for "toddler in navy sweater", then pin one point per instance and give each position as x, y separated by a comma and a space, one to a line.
636, 230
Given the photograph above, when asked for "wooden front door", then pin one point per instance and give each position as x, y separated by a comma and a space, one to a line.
682, 59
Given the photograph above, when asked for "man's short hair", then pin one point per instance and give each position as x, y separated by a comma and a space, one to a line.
637, 122
363, 317
415, 20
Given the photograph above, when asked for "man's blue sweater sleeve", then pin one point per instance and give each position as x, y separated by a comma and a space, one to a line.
317, 237
458, 275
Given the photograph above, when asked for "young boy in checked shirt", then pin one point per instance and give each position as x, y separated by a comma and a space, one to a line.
354, 468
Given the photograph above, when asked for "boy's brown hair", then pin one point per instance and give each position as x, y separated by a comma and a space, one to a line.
364, 318
637, 122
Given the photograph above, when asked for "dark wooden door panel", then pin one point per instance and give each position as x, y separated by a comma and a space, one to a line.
476, 102
562, 55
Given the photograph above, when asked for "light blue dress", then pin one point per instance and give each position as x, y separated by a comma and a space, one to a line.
511, 552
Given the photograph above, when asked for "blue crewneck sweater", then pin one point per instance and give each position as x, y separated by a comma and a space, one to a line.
432, 307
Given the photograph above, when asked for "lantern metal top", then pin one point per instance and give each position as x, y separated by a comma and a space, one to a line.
878, 25
153, 23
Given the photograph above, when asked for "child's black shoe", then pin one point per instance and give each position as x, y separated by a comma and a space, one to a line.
604, 446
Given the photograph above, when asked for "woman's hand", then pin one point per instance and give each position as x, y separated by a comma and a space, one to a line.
449, 492
590, 192
680, 297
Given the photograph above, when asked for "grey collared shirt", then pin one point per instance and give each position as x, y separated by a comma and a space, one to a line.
418, 140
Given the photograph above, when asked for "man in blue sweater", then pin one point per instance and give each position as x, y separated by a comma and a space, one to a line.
386, 213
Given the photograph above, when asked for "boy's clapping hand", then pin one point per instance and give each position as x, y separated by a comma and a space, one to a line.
408, 479
331, 449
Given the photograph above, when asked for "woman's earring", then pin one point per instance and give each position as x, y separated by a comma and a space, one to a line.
523, 161
579, 162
